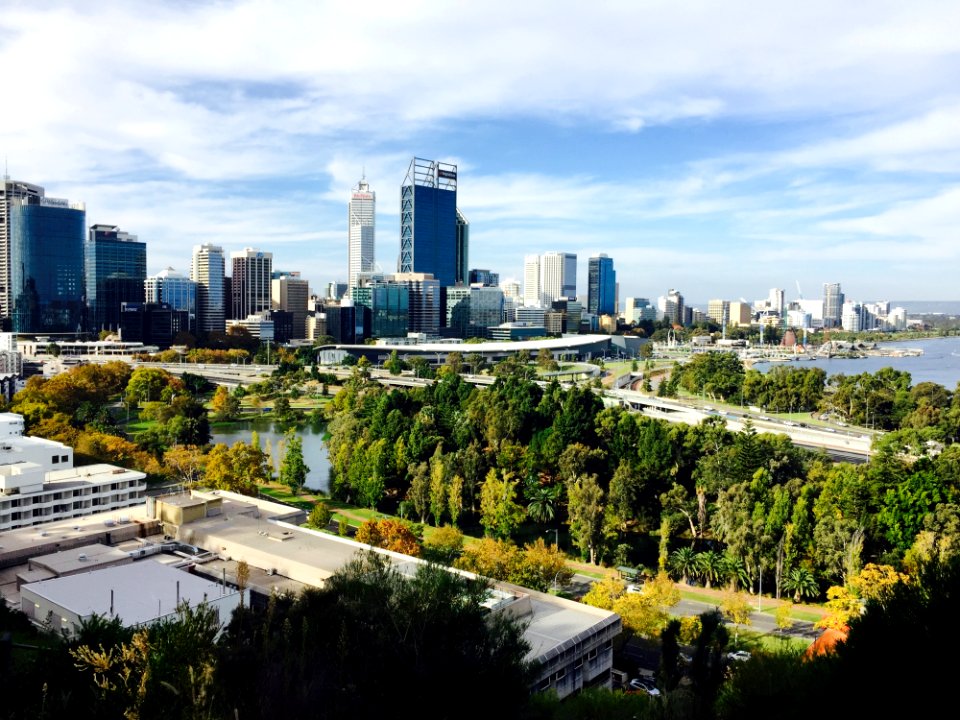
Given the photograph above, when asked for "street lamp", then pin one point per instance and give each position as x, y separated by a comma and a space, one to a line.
556, 535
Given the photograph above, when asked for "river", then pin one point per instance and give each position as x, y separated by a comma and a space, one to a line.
272, 438
939, 363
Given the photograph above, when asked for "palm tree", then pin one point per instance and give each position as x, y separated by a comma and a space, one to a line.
711, 566
801, 582
735, 571
542, 501
683, 561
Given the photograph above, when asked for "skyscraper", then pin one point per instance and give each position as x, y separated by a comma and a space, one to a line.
176, 290
207, 271
361, 219
290, 293
832, 305
10, 190
601, 285
558, 276
115, 263
46, 264
250, 281
428, 220
462, 249
532, 290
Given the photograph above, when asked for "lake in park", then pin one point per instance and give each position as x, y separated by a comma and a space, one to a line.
272, 440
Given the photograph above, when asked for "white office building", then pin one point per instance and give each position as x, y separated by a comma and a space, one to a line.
361, 218
38, 482
207, 271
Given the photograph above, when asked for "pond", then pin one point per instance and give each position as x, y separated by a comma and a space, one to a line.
273, 440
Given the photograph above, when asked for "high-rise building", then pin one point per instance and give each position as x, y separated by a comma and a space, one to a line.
46, 239
832, 305
428, 220
424, 301
484, 277
207, 271
719, 312
558, 276
361, 219
290, 292
176, 290
10, 190
532, 290
671, 307
601, 285
775, 300
462, 275
116, 268
250, 282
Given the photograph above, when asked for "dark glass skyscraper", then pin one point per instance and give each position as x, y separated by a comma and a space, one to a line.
46, 265
601, 285
428, 221
462, 250
116, 268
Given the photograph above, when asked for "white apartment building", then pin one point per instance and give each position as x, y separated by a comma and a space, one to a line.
361, 217
38, 482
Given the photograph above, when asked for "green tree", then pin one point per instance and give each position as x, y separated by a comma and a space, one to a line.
500, 514
586, 511
320, 516
293, 470
394, 364
225, 405
801, 582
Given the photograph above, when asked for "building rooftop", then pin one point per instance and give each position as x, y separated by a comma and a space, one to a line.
85, 557
137, 593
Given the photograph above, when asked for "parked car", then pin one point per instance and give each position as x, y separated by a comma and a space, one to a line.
643, 685
738, 655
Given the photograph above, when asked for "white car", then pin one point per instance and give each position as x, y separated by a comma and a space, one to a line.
738, 655
644, 685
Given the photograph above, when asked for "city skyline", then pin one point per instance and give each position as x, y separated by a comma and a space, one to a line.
721, 151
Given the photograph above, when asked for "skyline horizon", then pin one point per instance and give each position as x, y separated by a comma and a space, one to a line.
709, 145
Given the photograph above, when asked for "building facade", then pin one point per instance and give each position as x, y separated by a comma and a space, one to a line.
601, 285
832, 305
428, 220
558, 276
10, 190
250, 281
176, 290
207, 271
361, 232
46, 238
291, 293
462, 272
115, 265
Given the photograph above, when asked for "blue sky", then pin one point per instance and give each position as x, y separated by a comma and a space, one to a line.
721, 149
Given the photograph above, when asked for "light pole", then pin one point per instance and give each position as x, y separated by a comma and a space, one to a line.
556, 536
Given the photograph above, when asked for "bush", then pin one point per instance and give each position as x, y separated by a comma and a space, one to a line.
320, 516
445, 544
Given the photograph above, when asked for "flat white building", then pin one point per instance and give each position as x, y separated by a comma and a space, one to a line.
38, 482
138, 593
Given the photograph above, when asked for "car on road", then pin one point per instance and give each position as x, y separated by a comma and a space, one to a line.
644, 685
738, 655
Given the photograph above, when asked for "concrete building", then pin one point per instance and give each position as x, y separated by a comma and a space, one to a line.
424, 301
671, 307
259, 325
740, 314
38, 482
250, 282
361, 232
137, 593
832, 305
532, 289
207, 271
558, 276
291, 293
719, 312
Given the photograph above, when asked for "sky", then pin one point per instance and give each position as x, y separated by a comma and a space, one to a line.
718, 148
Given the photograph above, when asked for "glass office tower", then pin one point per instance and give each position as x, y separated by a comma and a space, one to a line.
428, 221
116, 268
601, 285
46, 265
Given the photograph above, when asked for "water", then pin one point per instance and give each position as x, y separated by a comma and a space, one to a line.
940, 362
273, 437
